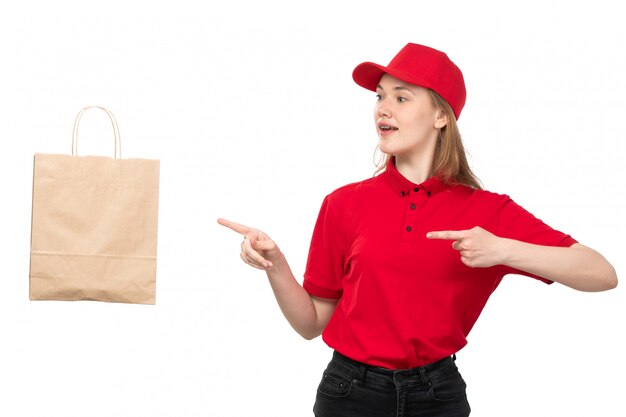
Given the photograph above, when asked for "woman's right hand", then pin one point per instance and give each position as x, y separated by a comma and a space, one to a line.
308, 315
257, 249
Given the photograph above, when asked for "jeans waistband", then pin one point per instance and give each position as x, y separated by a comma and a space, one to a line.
420, 375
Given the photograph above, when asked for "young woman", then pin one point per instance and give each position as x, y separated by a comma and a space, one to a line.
401, 264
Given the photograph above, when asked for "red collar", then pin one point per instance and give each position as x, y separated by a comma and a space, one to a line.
403, 186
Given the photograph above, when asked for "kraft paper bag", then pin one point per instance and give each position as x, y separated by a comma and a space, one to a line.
94, 226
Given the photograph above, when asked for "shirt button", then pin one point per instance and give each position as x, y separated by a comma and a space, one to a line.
409, 228
402, 193
412, 206
416, 189
428, 193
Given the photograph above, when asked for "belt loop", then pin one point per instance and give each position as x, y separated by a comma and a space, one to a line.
361, 372
424, 375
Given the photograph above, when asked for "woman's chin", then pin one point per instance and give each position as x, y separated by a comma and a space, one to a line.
386, 147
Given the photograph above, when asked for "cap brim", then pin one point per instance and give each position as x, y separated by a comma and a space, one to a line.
368, 75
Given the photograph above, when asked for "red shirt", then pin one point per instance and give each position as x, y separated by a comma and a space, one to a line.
407, 301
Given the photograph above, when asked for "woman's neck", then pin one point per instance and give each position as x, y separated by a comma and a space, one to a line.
415, 168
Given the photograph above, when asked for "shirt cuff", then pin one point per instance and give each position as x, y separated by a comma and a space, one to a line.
316, 291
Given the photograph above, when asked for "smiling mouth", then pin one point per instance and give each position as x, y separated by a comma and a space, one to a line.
385, 128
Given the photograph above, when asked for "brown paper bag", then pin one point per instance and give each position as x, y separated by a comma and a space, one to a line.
94, 226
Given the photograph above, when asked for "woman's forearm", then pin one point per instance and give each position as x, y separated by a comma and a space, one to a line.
307, 315
578, 266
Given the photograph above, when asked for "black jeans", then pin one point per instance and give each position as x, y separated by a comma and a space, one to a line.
353, 389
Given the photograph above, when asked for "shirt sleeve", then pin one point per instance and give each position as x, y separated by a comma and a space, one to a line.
324, 269
514, 222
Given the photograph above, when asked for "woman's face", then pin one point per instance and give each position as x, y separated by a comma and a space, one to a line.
407, 123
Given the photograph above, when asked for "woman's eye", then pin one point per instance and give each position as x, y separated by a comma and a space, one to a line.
378, 97
401, 99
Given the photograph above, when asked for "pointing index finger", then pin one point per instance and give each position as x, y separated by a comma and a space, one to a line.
239, 228
446, 234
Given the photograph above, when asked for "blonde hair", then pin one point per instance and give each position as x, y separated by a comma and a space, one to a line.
449, 162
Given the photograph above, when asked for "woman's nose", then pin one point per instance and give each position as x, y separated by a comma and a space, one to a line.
382, 109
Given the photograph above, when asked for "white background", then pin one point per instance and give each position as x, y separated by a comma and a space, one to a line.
251, 109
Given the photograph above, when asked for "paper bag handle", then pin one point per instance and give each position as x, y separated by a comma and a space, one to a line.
116, 131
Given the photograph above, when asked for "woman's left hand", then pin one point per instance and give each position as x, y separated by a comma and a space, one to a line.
478, 247
577, 266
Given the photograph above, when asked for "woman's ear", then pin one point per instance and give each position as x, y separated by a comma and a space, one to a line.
441, 119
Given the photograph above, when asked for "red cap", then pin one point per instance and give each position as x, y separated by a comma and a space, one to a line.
422, 66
